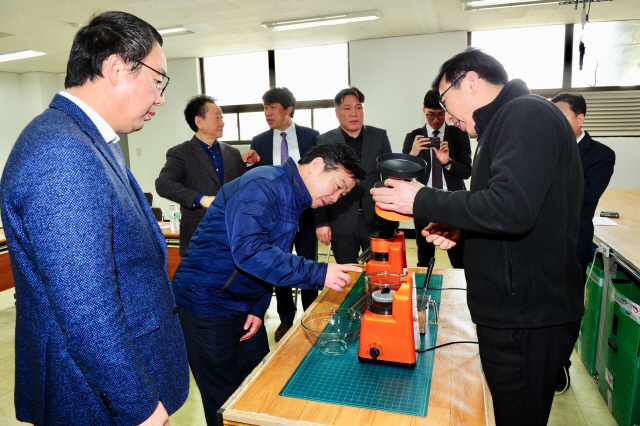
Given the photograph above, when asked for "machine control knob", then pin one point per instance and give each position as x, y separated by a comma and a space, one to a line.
374, 352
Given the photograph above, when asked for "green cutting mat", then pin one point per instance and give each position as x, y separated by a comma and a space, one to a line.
342, 380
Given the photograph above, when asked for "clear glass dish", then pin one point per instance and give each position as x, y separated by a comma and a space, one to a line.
332, 331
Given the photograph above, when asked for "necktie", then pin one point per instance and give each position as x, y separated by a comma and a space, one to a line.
284, 148
436, 168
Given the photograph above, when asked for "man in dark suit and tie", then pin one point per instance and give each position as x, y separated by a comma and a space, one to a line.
347, 223
285, 139
196, 169
597, 166
98, 338
446, 168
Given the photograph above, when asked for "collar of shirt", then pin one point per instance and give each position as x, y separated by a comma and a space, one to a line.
109, 135
291, 130
581, 136
215, 148
440, 130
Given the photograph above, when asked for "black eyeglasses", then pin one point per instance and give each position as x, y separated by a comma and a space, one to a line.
160, 84
432, 116
460, 77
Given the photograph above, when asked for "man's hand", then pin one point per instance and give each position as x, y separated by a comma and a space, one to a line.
252, 324
442, 154
324, 234
159, 417
251, 157
206, 201
418, 145
397, 196
338, 276
440, 235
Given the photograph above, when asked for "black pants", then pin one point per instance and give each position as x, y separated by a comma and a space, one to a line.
521, 367
427, 250
306, 244
346, 248
218, 359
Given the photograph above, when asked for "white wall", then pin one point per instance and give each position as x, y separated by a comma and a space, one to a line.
395, 73
625, 172
12, 120
166, 129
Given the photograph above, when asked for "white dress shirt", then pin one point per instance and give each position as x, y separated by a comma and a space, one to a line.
440, 135
109, 135
292, 142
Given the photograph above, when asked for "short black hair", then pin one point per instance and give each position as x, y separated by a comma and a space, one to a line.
486, 66
431, 100
107, 34
197, 107
576, 102
336, 155
282, 96
337, 101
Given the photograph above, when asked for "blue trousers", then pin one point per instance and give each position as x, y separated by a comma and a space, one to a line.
218, 359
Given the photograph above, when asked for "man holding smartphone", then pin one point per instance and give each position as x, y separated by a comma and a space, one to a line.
447, 167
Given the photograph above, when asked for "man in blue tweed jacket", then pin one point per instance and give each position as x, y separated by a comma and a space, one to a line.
98, 339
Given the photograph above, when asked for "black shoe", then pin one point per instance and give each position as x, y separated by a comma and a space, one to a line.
282, 330
564, 380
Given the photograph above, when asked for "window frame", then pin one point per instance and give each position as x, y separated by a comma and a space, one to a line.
243, 108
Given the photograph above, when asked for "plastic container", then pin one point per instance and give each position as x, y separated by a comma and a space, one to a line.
174, 217
332, 331
587, 343
619, 383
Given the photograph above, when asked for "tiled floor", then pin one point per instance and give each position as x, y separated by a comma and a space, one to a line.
580, 405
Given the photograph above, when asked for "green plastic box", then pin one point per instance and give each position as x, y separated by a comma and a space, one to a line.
587, 343
619, 383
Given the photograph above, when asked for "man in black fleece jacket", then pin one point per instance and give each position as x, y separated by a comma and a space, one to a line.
520, 219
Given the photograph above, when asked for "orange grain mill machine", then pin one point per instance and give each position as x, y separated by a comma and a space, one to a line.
387, 331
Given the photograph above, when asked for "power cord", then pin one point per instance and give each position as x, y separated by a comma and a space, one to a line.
421, 351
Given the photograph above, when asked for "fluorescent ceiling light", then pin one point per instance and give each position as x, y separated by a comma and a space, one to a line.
323, 20
174, 31
20, 55
496, 4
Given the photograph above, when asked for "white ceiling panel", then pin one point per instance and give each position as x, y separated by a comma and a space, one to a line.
234, 26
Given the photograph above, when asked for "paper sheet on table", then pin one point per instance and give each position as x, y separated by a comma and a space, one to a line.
603, 221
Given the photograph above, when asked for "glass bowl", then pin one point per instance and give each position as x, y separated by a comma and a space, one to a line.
332, 330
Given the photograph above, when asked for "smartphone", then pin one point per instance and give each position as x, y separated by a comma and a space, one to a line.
435, 142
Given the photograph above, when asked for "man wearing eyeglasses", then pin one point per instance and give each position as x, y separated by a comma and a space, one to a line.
521, 218
98, 338
447, 167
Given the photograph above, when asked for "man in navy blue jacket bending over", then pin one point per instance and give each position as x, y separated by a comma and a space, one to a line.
240, 249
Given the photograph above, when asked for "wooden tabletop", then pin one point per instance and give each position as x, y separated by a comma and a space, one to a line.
458, 392
166, 230
625, 238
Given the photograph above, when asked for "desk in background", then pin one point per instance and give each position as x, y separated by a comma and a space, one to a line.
458, 392
6, 275
173, 248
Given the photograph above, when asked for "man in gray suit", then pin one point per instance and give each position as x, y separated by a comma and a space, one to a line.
347, 223
196, 169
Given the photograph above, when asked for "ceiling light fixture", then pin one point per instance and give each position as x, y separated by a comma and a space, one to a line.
323, 20
496, 4
174, 31
20, 55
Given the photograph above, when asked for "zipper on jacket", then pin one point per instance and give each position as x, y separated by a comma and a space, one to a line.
511, 271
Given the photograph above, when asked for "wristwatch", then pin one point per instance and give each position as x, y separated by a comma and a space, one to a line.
447, 163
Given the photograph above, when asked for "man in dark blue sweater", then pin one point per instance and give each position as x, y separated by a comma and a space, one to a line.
521, 219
